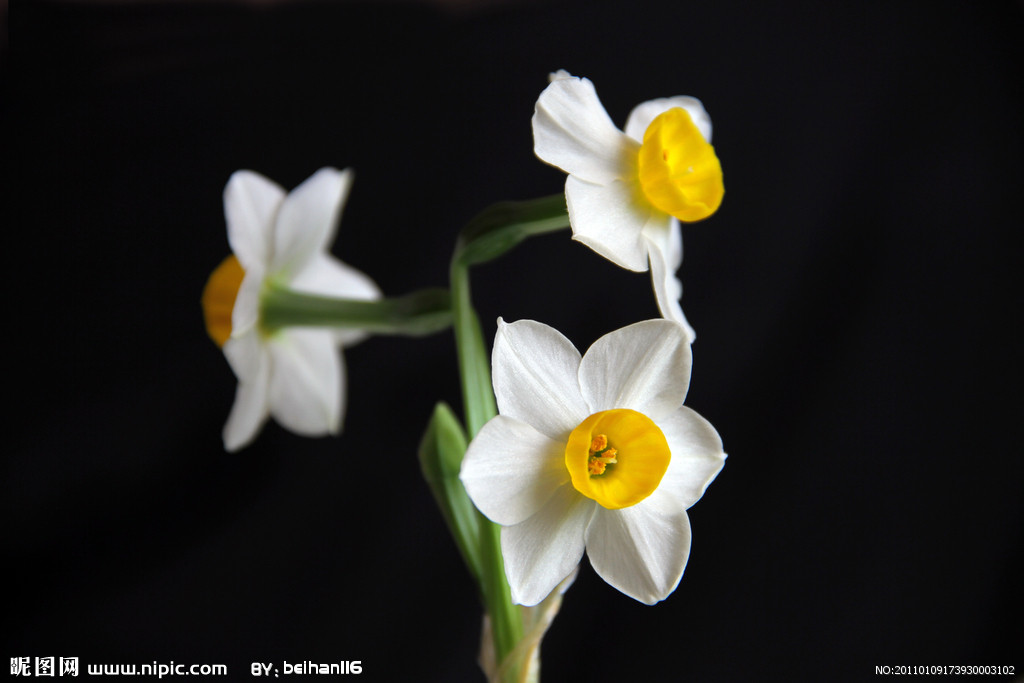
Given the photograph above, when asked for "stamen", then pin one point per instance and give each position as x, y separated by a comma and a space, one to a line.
601, 455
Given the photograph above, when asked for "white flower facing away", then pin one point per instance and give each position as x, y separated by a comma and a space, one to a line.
593, 454
295, 375
628, 190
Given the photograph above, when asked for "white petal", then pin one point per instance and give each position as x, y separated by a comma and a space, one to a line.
571, 130
642, 115
246, 312
542, 551
247, 355
644, 366
535, 378
510, 470
251, 203
307, 220
250, 362
697, 457
327, 276
607, 219
665, 249
641, 550
306, 382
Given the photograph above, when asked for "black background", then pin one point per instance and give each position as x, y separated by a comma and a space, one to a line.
856, 299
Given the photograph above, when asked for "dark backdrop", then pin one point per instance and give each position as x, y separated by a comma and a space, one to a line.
856, 298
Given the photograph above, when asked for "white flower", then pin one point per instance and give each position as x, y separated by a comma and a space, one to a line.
627, 191
594, 453
295, 374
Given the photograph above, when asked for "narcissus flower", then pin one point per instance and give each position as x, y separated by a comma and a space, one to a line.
627, 191
281, 240
594, 453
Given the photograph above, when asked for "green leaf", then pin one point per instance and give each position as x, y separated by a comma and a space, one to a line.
441, 451
502, 226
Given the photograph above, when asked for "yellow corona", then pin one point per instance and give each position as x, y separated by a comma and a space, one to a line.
617, 457
678, 170
219, 299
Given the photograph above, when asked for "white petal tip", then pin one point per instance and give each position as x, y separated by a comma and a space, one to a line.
234, 443
621, 258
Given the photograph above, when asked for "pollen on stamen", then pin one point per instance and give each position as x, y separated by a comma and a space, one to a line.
601, 455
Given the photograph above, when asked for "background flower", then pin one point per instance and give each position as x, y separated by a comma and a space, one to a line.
295, 375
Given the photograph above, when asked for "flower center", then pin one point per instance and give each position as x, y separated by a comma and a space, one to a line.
679, 172
219, 298
617, 457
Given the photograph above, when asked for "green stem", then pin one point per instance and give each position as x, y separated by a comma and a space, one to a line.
506, 624
491, 233
420, 313
506, 619
474, 363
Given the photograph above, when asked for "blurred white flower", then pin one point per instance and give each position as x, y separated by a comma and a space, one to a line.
627, 191
296, 375
594, 453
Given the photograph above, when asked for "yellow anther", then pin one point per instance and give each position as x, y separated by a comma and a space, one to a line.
678, 170
601, 455
219, 298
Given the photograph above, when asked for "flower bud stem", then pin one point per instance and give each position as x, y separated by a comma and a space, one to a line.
422, 312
